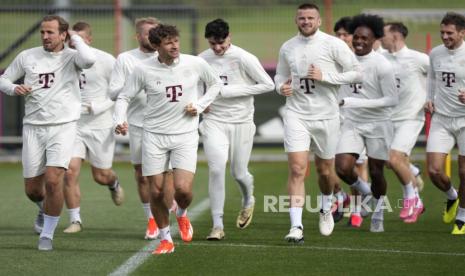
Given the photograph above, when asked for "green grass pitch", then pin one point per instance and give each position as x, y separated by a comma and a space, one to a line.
113, 234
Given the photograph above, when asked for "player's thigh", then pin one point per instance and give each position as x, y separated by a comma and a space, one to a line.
350, 140
296, 135
215, 142
440, 139
79, 147
378, 138
184, 151
135, 144
101, 148
323, 141
33, 152
406, 135
242, 136
155, 153
60, 144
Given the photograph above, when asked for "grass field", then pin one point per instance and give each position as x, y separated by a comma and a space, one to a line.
112, 235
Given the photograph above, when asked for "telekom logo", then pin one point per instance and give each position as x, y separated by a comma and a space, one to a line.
224, 79
46, 79
173, 92
449, 78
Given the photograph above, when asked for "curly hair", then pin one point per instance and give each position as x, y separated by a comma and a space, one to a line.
157, 34
372, 22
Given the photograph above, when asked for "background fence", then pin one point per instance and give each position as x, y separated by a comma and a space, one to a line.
259, 26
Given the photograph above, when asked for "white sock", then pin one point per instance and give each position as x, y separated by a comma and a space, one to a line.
50, 223
296, 216
181, 212
165, 234
409, 191
218, 221
451, 194
356, 205
460, 214
378, 214
361, 186
75, 214
415, 171
147, 210
326, 202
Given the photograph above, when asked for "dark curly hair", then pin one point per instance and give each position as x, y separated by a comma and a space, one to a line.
157, 34
372, 22
217, 29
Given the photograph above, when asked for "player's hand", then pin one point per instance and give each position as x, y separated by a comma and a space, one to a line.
86, 108
71, 32
429, 107
286, 88
23, 89
122, 128
206, 110
462, 95
314, 73
191, 110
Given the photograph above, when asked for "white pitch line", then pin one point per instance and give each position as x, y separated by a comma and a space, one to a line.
296, 247
144, 253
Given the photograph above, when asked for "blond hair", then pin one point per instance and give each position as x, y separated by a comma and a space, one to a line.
145, 20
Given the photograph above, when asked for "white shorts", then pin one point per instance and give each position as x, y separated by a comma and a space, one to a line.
375, 136
319, 136
135, 144
220, 139
445, 132
47, 146
99, 144
405, 135
158, 150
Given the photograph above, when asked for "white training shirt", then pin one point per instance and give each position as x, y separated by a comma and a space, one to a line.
445, 77
54, 78
243, 77
315, 100
94, 92
372, 99
124, 66
410, 69
170, 88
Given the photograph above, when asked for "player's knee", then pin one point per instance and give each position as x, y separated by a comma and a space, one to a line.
103, 177
297, 171
434, 171
343, 169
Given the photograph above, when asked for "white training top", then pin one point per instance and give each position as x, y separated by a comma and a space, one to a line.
243, 77
373, 99
170, 88
315, 100
410, 69
445, 77
94, 92
124, 66
54, 78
